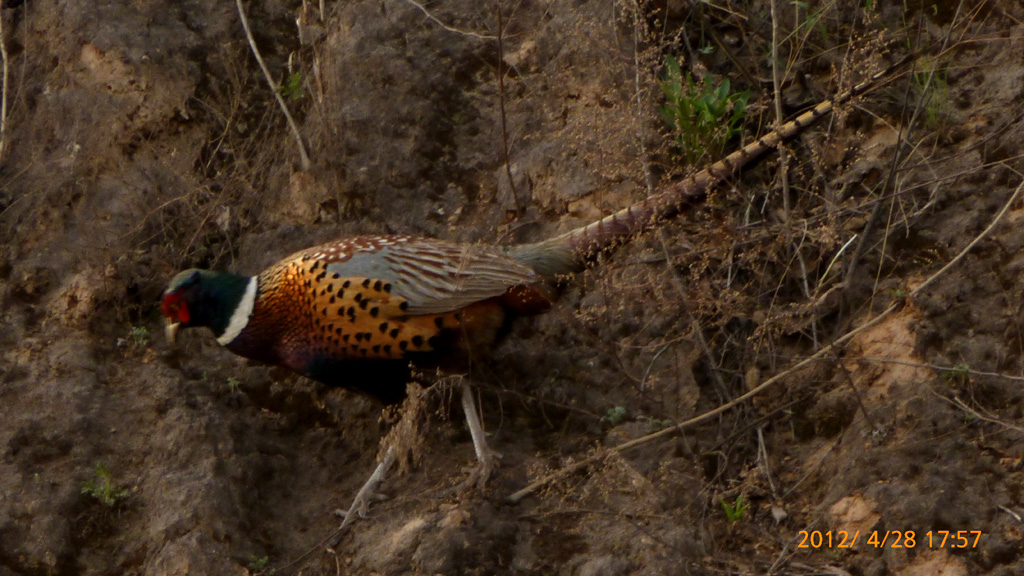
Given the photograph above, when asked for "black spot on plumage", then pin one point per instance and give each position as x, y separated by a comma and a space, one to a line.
433, 341
387, 348
394, 333
354, 347
359, 336
330, 288
346, 284
387, 287
376, 348
324, 312
374, 311
377, 285
363, 304
333, 299
366, 283
335, 276
362, 351
383, 327
404, 305
321, 275
358, 296
439, 322
345, 337
417, 340
403, 344
337, 331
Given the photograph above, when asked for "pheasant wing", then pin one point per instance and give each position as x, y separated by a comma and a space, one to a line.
430, 276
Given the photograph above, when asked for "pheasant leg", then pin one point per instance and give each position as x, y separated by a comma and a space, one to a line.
368, 493
484, 455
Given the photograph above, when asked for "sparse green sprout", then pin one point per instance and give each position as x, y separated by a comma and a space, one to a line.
258, 563
960, 374
932, 87
704, 117
898, 294
102, 489
614, 416
292, 87
655, 424
138, 336
734, 512
233, 384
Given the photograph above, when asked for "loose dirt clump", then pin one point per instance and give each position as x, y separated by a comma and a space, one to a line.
141, 138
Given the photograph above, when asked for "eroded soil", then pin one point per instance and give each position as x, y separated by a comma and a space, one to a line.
141, 138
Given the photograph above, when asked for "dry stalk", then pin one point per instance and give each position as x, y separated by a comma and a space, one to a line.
501, 106
437, 21
824, 352
306, 163
3, 97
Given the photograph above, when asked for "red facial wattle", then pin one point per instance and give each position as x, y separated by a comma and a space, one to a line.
174, 308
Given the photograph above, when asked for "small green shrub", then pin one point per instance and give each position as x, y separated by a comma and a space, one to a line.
704, 117
258, 563
734, 512
102, 489
138, 336
655, 424
292, 87
959, 375
614, 416
934, 94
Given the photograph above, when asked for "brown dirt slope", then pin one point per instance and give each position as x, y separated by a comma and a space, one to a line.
141, 138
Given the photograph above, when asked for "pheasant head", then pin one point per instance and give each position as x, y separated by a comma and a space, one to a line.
220, 301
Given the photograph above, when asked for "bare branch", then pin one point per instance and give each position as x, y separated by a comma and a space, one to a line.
306, 164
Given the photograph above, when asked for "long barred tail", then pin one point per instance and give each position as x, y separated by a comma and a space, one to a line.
571, 251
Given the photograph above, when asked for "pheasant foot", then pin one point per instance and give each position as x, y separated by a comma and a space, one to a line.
368, 493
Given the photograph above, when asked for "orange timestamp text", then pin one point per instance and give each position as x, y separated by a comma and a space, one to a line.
841, 539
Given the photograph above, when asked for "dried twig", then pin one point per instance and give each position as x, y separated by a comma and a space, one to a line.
3, 98
437, 21
501, 105
822, 353
306, 164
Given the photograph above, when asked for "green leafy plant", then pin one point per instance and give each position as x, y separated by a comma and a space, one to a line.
734, 512
292, 87
233, 384
614, 416
932, 87
101, 488
258, 563
655, 424
703, 116
138, 336
960, 374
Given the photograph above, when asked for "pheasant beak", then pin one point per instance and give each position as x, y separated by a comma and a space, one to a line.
171, 329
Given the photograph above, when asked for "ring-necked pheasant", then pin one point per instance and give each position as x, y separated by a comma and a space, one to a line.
354, 313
